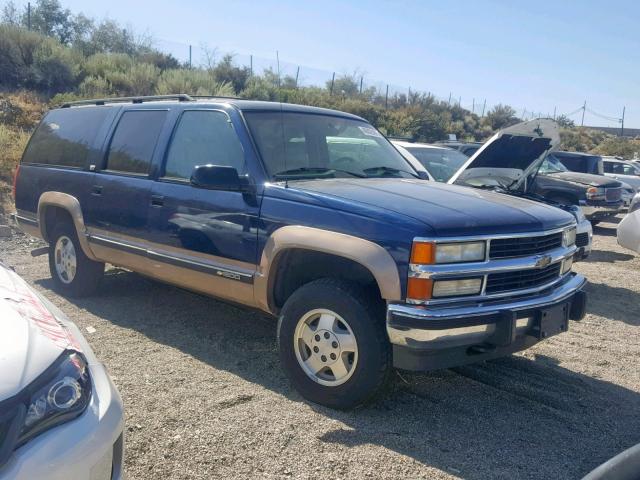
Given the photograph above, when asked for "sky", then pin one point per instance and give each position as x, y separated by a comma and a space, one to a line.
534, 55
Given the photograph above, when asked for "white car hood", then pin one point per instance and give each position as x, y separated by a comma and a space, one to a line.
31, 337
510, 155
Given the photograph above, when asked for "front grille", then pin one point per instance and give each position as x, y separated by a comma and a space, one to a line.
523, 246
612, 194
522, 279
582, 239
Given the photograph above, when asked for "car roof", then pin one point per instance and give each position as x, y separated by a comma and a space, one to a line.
240, 104
575, 154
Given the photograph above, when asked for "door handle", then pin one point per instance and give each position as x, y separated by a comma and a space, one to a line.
157, 200
96, 190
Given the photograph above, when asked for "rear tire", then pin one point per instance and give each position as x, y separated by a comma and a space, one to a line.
333, 344
73, 273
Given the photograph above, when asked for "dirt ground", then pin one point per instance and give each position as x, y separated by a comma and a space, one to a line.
205, 396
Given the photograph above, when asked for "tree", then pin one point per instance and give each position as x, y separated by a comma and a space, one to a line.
10, 14
226, 72
502, 116
49, 18
565, 122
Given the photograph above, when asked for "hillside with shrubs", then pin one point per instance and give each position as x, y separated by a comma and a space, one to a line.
66, 56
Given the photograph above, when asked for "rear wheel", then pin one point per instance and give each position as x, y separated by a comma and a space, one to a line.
333, 345
73, 273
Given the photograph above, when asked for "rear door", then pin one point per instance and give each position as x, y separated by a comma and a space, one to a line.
120, 194
205, 239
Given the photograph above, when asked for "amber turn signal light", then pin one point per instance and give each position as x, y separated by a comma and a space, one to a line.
419, 288
423, 253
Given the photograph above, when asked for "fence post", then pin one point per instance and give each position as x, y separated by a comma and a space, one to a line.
483, 107
386, 98
333, 80
297, 74
361, 85
473, 106
189, 56
251, 65
449, 101
554, 113
29, 15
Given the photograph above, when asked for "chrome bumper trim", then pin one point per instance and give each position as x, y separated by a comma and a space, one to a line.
433, 314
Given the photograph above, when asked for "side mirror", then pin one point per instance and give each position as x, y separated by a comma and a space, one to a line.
216, 177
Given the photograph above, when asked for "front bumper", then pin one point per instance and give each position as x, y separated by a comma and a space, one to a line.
89, 447
427, 337
596, 210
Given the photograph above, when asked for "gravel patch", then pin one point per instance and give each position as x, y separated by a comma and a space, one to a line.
205, 396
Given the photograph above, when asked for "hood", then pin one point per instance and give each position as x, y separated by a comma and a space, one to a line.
31, 338
510, 156
445, 210
586, 179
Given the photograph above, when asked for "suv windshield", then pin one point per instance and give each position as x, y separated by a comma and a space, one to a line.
303, 145
552, 165
441, 163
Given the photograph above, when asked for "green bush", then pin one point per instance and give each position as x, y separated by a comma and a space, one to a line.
196, 82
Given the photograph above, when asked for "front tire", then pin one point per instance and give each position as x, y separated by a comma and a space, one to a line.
333, 344
73, 273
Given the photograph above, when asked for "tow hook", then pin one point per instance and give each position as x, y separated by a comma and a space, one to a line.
39, 251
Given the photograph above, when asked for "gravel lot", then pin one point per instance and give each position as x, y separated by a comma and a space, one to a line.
205, 396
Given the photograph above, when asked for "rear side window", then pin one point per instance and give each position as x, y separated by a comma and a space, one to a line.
65, 137
134, 141
201, 138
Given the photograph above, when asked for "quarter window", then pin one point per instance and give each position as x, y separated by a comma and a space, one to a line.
134, 141
203, 138
65, 137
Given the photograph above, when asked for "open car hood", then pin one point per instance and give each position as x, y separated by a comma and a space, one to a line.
510, 156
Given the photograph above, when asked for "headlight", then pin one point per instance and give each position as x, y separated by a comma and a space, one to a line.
426, 253
596, 193
569, 237
61, 395
449, 288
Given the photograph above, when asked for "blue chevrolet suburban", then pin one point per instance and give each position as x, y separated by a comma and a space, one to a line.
308, 214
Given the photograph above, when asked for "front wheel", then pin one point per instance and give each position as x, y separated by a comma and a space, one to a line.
333, 345
73, 273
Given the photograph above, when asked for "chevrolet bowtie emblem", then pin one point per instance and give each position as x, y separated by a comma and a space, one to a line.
542, 261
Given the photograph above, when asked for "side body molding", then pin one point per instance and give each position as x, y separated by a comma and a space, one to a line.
72, 206
368, 254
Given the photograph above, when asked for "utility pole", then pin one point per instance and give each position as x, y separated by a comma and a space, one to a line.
622, 122
251, 65
333, 80
554, 113
483, 107
360, 85
449, 101
29, 15
386, 98
189, 56
297, 74
473, 106
584, 107
459, 101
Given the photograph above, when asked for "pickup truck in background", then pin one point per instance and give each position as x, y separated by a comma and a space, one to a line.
310, 215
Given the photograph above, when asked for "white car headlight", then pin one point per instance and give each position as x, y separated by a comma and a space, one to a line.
449, 288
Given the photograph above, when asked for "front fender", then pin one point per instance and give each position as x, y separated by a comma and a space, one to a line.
368, 254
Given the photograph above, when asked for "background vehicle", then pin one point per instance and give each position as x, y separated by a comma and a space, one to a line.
308, 214
622, 170
581, 162
440, 162
60, 415
628, 231
466, 148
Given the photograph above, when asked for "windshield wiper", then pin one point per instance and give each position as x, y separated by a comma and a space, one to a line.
386, 169
311, 171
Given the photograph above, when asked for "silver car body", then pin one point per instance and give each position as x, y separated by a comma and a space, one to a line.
34, 335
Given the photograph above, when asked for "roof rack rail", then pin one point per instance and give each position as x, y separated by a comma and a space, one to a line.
181, 97
227, 97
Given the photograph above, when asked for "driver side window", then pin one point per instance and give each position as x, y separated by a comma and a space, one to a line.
203, 137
